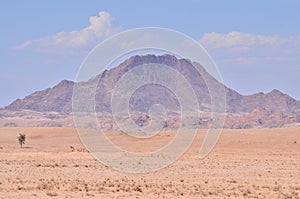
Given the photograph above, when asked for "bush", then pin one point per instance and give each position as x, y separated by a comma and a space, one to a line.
21, 139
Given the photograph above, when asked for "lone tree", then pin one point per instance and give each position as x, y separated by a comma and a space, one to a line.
21, 139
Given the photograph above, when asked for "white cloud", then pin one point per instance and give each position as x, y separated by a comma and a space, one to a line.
100, 27
243, 48
232, 39
251, 63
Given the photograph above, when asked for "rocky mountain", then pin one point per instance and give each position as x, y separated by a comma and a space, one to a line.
56, 99
275, 105
274, 101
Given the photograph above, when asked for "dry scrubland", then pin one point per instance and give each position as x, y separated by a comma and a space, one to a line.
258, 163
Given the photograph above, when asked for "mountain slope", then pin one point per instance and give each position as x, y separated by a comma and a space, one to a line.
59, 98
56, 99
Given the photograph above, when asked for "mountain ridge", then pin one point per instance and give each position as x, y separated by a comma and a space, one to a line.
59, 98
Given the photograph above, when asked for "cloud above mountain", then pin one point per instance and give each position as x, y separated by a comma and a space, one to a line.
99, 28
246, 60
250, 48
217, 40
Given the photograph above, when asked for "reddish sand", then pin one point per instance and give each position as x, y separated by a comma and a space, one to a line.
256, 163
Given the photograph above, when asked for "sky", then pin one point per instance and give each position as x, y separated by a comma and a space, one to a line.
255, 44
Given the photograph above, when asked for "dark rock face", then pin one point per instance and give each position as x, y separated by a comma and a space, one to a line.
59, 98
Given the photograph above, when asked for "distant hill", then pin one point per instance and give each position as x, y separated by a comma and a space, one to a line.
275, 105
56, 99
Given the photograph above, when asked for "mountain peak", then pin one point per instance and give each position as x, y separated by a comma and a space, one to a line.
276, 92
150, 58
65, 82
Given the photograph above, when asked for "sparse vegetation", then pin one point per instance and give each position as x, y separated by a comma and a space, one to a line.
21, 139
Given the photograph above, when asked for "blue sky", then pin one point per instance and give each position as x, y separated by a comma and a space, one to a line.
255, 44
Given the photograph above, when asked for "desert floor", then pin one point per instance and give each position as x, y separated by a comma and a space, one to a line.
256, 163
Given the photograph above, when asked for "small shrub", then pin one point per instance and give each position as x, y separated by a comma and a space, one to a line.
21, 139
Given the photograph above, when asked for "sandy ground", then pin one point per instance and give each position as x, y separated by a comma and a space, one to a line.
258, 163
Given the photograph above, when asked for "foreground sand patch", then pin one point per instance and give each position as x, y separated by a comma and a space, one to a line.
257, 163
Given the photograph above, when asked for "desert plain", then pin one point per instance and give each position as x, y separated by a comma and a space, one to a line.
245, 163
